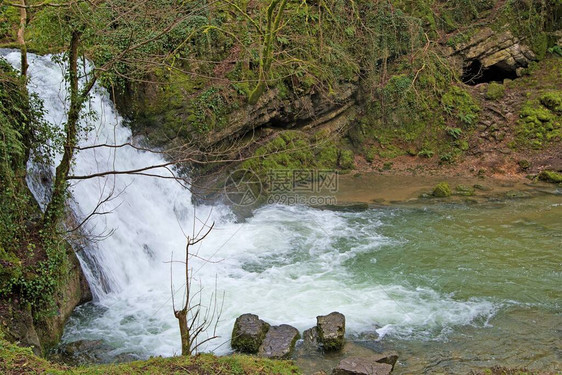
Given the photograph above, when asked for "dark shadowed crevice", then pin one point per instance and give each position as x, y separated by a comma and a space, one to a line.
474, 73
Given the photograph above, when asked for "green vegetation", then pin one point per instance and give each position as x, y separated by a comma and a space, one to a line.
464, 190
16, 360
550, 176
553, 101
294, 150
539, 125
461, 106
495, 91
31, 264
185, 73
442, 190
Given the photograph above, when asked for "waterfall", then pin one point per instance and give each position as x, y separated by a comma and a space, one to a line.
287, 263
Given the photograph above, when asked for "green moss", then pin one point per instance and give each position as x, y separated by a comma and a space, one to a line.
16, 360
538, 125
464, 190
552, 100
524, 164
495, 91
390, 151
539, 44
550, 176
33, 264
442, 190
462, 145
461, 106
295, 150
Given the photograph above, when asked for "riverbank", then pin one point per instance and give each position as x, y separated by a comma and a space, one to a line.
15, 360
375, 189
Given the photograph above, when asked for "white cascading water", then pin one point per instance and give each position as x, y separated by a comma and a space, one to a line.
284, 264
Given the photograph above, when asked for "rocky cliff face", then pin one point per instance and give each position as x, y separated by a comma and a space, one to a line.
489, 53
311, 110
42, 332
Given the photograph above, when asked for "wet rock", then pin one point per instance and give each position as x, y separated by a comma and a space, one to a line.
310, 337
279, 342
248, 334
82, 352
389, 358
331, 330
362, 366
515, 194
309, 345
482, 187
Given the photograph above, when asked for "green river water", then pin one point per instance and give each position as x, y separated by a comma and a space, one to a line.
507, 252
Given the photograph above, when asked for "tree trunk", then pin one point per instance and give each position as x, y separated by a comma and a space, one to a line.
55, 208
266, 58
21, 37
184, 332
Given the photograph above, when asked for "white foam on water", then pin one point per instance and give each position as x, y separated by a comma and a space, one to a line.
286, 264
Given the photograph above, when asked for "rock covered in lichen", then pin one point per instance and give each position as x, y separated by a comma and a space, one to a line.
331, 330
249, 333
279, 342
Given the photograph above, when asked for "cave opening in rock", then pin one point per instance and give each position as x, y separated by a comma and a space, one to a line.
474, 73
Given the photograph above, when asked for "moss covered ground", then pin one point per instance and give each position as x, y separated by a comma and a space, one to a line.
16, 360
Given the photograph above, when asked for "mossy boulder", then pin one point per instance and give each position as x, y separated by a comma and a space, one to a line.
552, 100
464, 190
249, 333
442, 190
495, 91
331, 330
538, 124
550, 176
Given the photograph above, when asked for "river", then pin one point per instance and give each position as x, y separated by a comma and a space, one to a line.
450, 286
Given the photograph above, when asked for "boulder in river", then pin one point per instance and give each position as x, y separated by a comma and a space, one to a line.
331, 330
550, 176
310, 339
248, 334
442, 190
389, 358
279, 342
362, 366
84, 351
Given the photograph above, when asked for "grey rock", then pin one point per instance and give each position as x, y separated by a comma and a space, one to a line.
248, 333
362, 366
279, 342
310, 337
82, 352
502, 49
389, 358
331, 330
310, 344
